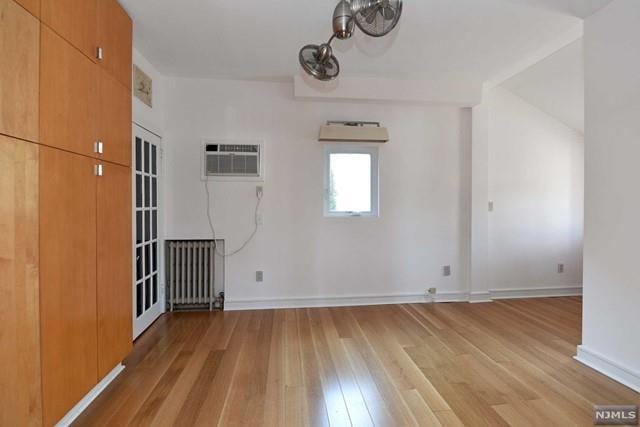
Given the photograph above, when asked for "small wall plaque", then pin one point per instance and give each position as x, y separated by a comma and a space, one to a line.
142, 86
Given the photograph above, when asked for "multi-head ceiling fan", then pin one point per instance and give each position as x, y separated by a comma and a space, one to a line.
375, 18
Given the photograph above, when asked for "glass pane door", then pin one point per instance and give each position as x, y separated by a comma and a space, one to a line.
147, 304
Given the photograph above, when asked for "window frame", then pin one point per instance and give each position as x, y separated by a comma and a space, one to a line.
372, 151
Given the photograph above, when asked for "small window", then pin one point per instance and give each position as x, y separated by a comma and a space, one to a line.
351, 181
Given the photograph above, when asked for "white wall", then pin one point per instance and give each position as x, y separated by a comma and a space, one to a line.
479, 254
151, 118
535, 179
424, 222
611, 326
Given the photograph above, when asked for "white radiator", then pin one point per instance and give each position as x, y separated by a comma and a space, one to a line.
191, 275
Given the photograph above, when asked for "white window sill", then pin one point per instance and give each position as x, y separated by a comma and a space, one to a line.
351, 215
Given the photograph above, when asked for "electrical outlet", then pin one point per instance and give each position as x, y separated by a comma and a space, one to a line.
490, 206
259, 276
446, 271
560, 268
432, 291
259, 191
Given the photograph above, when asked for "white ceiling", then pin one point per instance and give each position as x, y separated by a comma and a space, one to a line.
579, 8
555, 85
258, 39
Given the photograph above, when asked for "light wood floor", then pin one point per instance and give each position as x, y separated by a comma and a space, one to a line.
494, 364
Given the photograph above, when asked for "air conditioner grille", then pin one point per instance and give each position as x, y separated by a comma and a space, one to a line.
239, 148
232, 148
232, 160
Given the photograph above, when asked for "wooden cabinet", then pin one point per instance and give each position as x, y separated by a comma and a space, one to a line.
114, 119
19, 43
33, 6
82, 104
86, 276
100, 29
67, 280
115, 39
65, 233
114, 266
75, 21
20, 398
67, 96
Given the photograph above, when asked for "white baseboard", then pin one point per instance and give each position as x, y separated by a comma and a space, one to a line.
358, 300
341, 301
535, 292
605, 366
90, 397
477, 297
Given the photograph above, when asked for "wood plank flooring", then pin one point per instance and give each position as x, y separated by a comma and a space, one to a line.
495, 364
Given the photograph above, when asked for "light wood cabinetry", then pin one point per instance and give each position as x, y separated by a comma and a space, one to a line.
67, 279
19, 44
33, 6
65, 228
82, 104
75, 21
115, 31
20, 396
114, 119
114, 266
67, 96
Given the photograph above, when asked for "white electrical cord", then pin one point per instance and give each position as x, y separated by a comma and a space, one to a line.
213, 230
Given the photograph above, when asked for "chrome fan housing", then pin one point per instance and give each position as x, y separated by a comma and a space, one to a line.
376, 18
343, 23
319, 61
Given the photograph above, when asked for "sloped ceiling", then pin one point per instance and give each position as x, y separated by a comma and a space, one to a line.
555, 85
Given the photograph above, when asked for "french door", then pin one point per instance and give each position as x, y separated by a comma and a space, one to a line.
148, 292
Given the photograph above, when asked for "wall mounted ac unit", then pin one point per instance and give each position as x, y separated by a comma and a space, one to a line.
353, 132
233, 160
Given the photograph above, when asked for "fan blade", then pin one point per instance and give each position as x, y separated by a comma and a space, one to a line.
370, 15
315, 63
320, 68
388, 13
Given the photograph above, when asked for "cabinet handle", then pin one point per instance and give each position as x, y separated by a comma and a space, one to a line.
98, 170
98, 147
99, 53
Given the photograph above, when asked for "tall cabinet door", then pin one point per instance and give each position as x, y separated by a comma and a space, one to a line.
33, 6
20, 399
19, 43
114, 266
67, 96
114, 119
115, 37
75, 21
67, 280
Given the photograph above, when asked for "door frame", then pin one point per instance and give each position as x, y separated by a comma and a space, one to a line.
147, 319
